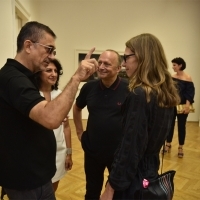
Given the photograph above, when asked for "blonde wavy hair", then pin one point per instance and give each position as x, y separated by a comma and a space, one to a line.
152, 72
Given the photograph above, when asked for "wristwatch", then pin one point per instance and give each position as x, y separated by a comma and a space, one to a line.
69, 151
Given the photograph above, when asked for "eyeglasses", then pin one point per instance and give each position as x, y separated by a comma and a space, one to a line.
127, 56
49, 49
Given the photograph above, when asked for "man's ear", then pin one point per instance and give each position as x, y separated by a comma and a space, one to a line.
119, 68
28, 46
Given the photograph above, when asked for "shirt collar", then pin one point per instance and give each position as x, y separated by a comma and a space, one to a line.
24, 70
20, 67
114, 86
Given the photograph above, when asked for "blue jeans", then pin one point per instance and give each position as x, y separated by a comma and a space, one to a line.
44, 192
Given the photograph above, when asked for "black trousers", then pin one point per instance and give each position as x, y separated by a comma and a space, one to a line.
94, 172
181, 122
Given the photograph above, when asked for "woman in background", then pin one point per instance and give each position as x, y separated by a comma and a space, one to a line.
48, 81
147, 116
186, 92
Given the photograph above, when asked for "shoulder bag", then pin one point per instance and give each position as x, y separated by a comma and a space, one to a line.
160, 188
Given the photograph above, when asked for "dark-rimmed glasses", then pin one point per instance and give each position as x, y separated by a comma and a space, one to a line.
126, 56
49, 49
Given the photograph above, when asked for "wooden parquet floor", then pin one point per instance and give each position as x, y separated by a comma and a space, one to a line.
187, 178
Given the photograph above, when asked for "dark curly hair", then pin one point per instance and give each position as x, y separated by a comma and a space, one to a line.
59, 71
179, 61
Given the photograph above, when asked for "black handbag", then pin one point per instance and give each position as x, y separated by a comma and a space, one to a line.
161, 188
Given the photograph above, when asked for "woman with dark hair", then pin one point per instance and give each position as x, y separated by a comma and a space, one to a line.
186, 92
48, 81
147, 115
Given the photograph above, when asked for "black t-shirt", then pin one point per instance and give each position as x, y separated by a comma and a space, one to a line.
27, 149
103, 131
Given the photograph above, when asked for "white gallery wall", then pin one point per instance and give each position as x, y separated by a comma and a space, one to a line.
8, 26
83, 24
6, 32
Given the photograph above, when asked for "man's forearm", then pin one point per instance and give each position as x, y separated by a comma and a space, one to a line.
60, 106
51, 114
69, 93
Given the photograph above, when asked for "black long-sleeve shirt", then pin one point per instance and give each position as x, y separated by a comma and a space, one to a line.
145, 127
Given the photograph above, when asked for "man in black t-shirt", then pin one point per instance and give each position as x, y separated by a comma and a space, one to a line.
27, 142
103, 98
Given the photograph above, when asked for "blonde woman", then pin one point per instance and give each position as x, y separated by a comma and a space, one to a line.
147, 116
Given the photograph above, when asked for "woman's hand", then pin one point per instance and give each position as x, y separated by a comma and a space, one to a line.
68, 162
186, 109
108, 193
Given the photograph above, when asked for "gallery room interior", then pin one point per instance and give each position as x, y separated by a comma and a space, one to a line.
107, 24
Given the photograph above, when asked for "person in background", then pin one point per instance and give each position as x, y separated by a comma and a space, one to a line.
103, 98
27, 141
147, 116
186, 90
48, 81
